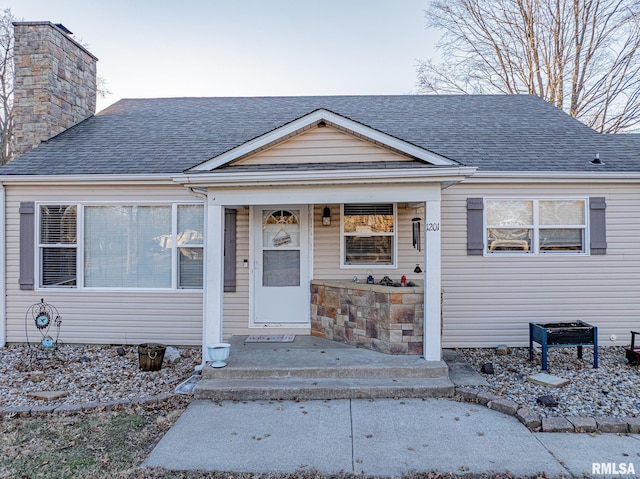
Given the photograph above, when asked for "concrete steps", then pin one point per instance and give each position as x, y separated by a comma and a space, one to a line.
312, 368
321, 388
418, 369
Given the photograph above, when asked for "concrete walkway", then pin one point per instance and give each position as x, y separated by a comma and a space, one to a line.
379, 437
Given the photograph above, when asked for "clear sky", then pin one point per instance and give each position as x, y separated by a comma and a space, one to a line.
161, 48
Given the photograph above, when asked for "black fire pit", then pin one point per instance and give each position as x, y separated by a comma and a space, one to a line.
574, 333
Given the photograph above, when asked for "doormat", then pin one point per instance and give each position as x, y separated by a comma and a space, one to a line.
275, 338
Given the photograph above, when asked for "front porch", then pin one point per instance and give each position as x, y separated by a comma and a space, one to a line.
315, 368
276, 281
320, 198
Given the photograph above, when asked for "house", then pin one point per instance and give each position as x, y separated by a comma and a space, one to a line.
188, 220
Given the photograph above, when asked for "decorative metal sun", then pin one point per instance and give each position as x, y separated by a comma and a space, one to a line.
43, 316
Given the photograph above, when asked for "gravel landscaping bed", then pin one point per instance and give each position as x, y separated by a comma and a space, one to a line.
88, 374
611, 390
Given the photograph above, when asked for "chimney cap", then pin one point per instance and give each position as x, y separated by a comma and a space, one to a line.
63, 28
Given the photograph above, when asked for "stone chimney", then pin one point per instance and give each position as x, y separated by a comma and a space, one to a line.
54, 83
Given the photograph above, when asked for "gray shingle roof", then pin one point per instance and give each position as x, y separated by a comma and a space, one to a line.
170, 135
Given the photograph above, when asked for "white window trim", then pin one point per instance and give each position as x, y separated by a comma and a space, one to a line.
394, 265
79, 246
535, 227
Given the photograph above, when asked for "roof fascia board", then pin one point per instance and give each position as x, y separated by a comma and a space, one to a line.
557, 177
311, 119
162, 179
328, 177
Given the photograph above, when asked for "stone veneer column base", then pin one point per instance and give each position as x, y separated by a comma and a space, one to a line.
381, 318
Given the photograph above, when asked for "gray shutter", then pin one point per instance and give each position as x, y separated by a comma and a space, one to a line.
598, 225
27, 245
475, 227
229, 250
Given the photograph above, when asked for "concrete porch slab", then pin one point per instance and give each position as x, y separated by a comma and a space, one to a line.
311, 357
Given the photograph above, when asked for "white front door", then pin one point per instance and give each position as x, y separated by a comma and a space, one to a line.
281, 269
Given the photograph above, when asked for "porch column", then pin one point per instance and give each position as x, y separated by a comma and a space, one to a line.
213, 277
431, 346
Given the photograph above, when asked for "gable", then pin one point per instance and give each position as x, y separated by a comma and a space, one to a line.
317, 119
322, 145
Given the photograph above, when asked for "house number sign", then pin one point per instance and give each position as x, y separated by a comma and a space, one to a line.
433, 226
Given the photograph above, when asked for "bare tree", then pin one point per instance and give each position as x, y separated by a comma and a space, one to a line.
6, 85
580, 55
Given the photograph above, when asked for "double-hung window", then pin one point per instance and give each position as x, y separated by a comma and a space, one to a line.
121, 246
369, 234
57, 245
535, 226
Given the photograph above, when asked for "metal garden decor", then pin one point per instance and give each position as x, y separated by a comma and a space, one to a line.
43, 316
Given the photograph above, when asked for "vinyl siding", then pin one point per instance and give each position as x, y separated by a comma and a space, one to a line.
486, 300
102, 317
322, 145
489, 300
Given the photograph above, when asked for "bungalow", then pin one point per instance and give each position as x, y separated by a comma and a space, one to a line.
188, 220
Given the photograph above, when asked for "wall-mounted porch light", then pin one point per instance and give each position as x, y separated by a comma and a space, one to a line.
326, 216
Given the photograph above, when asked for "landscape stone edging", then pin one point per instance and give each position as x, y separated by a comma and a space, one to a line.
535, 422
532, 420
68, 409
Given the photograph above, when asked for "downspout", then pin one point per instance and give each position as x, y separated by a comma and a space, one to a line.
198, 192
3, 276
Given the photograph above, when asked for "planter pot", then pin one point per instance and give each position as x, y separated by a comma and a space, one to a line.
218, 353
151, 356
